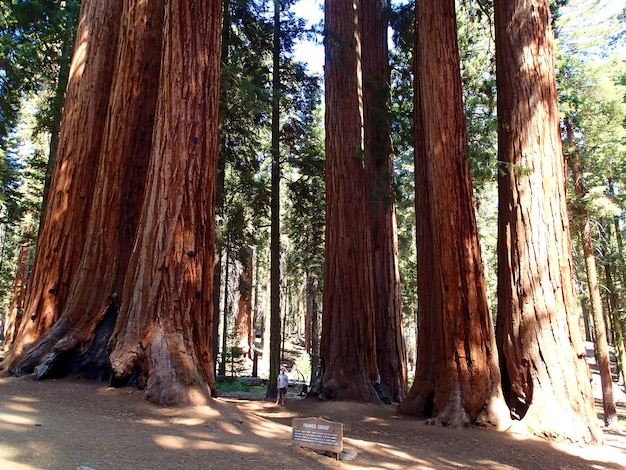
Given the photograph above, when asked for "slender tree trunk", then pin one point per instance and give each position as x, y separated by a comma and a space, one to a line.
243, 323
220, 196
600, 342
163, 334
390, 347
348, 345
275, 214
64, 224
614, 303
225, 311
545, 376
458, 382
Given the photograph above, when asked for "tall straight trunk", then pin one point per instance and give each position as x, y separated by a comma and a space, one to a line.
64, 225
348, 344
545, 376
457, 380
219, 192
86, 323
390, 347
275, 213
600, 342
163, 333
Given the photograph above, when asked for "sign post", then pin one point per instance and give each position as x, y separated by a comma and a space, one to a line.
318, 433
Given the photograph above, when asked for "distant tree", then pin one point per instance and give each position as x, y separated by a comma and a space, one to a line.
545, 376
457, 380
582, 223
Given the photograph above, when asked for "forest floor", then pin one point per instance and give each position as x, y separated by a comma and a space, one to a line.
65, 424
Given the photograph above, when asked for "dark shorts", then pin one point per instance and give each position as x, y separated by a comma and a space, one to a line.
282, 391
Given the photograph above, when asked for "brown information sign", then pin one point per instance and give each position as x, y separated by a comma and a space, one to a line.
317, 433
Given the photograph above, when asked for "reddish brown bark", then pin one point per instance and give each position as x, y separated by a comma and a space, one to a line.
14, 317
163, 332
82, 331
457, 380
390, 347
546, 379
244, 331
348, 349
64, 224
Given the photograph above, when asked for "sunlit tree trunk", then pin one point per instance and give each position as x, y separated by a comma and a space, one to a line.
64, 223
13, 317
79, 338
545, 376
163, 334
457, 378
390, 347
243, 322
348, 344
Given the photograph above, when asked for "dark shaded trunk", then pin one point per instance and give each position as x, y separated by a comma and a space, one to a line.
275, 327
390, 347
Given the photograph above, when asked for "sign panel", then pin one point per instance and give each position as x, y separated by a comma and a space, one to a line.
318, 433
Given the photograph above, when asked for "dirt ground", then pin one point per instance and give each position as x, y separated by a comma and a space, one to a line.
65, 424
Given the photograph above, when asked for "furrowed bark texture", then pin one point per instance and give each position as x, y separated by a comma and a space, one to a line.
457, 380
546, 379
64, 224
390, 347
76, 344
348, 350
163, 333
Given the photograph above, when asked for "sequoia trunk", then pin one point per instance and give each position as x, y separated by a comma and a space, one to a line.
546, 379
163, 333
390, 347
348, 344
63, 229
457, 379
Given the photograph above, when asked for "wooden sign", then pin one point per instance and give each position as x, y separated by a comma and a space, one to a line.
317, 433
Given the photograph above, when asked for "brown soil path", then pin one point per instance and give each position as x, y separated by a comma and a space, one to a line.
63, 424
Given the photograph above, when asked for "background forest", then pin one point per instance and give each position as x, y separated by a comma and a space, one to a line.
35, 51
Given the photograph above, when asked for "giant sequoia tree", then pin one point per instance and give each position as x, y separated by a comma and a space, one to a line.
457, 380
545, 376
348, 356
390, 347
162, 334
117, 198
162, 338
64, 224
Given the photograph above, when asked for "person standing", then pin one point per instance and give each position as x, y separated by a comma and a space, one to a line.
282, 381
